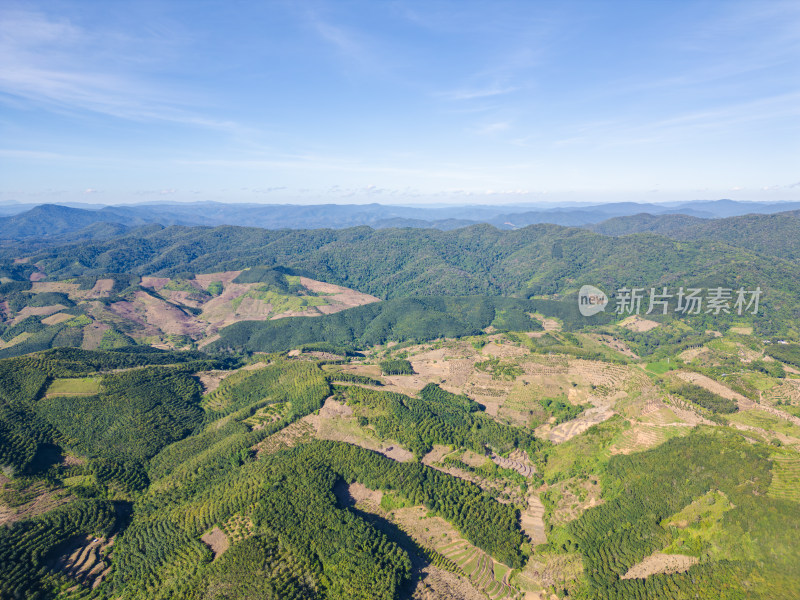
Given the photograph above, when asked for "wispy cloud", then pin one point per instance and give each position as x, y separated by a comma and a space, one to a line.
36, 155
724, 119
492, 128
348, 43
340, 165
64, 67
472, 94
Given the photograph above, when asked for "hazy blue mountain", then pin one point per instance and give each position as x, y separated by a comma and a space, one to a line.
48, 220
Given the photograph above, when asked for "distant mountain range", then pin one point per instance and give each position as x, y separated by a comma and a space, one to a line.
36, 223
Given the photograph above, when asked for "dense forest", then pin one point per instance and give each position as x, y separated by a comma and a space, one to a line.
539, 259
399, 320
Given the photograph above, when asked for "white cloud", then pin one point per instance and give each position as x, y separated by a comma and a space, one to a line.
63, 67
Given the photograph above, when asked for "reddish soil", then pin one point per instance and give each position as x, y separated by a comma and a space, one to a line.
101, 289
206, 279
37, 311
155, 282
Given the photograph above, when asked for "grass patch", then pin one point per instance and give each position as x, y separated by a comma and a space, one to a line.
785, 483
500, 571
280, 303
722, 345
764, 420
499, 369
83, 386
661, 366
585, 454
760, 381
697, 526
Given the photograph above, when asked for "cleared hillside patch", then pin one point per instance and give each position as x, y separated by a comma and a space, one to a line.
785, 478
83, 386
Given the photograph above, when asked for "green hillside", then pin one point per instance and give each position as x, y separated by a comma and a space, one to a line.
769, 235
539, 259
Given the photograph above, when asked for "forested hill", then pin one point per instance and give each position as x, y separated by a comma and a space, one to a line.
535, 260
769, 235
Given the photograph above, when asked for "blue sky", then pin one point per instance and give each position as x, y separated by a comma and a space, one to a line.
399, 102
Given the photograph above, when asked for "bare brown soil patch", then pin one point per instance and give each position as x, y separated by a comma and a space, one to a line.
572, 498
742, 330
765, 435
101, 289
210, 380
358, 494
436, 533
128, 311
206, 279
616, 344
409, 385
638, 324
288, 437
38, 276
717, 388
166, 317
217, 541
209, 340
5, 310
516, 461
37, 311
70, 289
532, 520
71, 460
93, 335
368, 370
437, 453
57, 318
42, 499
218, 311
553, 569
501, 349
438, 584
566, 431
692, 353
155, 283
660, 563
85, 559
338, 295
432, 583
548, 324
336, 422
193, 299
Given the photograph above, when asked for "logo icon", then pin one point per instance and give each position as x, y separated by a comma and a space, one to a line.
591, 300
